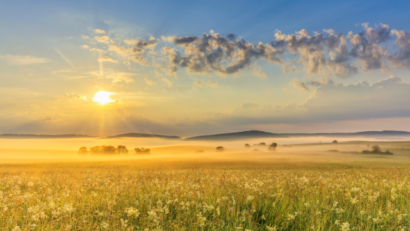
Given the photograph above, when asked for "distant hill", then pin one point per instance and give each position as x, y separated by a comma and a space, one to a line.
41, 136
237, 136
262, 134
142, 135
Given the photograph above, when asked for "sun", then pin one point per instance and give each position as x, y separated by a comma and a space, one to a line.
103, 97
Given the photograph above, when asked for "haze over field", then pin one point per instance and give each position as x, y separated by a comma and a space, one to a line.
205, 115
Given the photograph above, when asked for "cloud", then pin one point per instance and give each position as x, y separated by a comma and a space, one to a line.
99, 31
102, 39
327, 53
120, 77
149, 82
85, 46
257, 71
201, 83
167, 81
22, 60
107, 59
85, 36
296, 83
77, 96
214, 53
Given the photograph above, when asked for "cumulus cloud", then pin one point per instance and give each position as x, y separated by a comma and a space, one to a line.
85, 46
257, 71
99, 31
167, 81
212, 52
22, 60
77, 96
102, 39
107, 59
327, 53
201, 83
149, 82
120, 77
296, 83
136, 52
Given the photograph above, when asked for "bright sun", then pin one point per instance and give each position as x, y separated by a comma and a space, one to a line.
103, 97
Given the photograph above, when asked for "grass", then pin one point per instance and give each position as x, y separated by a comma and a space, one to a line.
362, 193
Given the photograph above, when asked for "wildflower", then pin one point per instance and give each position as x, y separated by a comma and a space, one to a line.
17, 228
104, 225
345, 226
337, 222
271, 228
291, 217
354, 200
362, 212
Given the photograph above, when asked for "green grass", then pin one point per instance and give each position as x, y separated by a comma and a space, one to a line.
205, 196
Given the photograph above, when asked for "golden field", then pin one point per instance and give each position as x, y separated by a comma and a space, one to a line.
297, 187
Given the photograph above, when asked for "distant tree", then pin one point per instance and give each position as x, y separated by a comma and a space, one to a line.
142, 151
247, 146
83, 150
121, 149
220, 149
262, 143
108, 149
376, 149
334, 142
95, 150
273, 146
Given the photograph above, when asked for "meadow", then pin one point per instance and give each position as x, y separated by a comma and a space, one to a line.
296, 187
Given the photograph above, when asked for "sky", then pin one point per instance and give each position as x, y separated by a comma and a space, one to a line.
203, 67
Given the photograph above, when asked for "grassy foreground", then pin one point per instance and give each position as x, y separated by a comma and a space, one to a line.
241, 196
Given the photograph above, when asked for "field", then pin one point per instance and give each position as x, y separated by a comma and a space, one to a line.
296, 187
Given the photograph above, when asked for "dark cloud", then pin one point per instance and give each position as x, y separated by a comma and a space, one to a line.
327, 53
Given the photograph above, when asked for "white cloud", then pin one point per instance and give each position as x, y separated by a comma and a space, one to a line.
21, 60
102, 39
99, 31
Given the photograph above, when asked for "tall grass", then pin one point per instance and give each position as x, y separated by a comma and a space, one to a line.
104, 197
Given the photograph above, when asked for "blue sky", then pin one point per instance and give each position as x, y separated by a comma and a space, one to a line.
50, 59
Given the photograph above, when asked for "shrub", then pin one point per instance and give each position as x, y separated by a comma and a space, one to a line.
273, 146
83, 150
220, 149
142, 151
121, 149
247, 146
334, 142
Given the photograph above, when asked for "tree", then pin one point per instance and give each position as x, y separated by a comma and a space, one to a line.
142, 151
247, 146
121, 149
220, 149
334, 142
273, 146
95, 150
83, 150
376, 149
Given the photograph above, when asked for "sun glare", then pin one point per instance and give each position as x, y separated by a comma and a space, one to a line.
103, 97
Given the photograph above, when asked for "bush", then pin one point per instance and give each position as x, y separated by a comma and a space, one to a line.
220, 149
121, 149
273, 146
334, 142
83, 150
247, 146
142, 151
